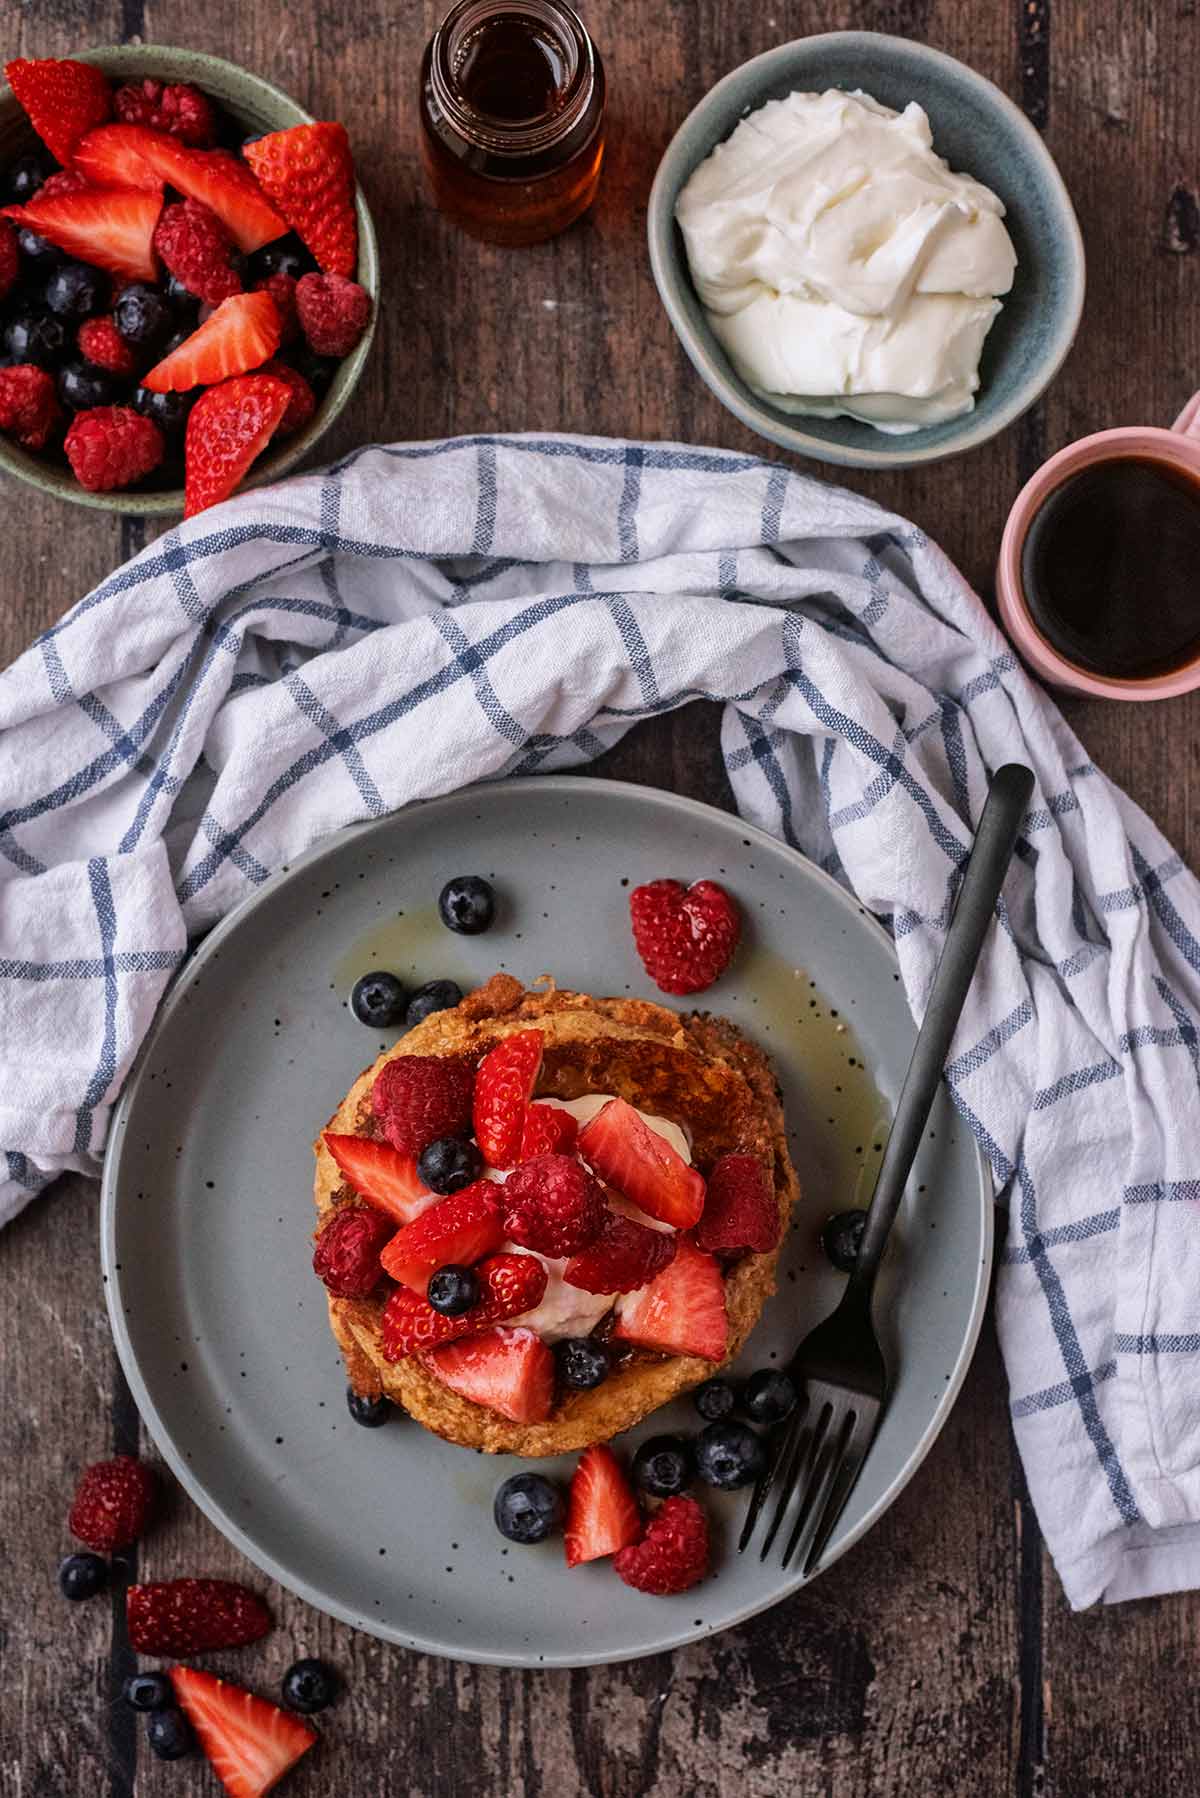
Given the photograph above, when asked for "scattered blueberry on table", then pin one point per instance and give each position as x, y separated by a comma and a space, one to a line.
82, 1576
841, 1237
467, 905
378, 1000
527, 1508
309, 1686
662, 1466
729, 1455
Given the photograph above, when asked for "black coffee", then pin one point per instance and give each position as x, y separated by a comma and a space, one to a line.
1111, 568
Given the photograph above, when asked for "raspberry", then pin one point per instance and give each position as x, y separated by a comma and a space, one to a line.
112, 446
282, 289
552, 1204
10, 261
624, 1256
112, 1505
346, 1257
302, 404
62, 181
196, 248
549, 1130
29, 408
422, 1097
740, 1211
673, 1552
103, 346
685, 936
191, 1616
333, 313
182, 110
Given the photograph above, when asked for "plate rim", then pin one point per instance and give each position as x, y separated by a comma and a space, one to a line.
173, 1454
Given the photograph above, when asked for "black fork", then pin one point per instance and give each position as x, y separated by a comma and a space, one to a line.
838, 1369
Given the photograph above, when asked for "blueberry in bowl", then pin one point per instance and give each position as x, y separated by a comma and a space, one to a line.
117, 212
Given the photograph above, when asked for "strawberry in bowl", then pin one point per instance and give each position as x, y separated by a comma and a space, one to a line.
188, 278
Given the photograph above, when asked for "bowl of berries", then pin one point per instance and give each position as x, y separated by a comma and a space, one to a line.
188, 278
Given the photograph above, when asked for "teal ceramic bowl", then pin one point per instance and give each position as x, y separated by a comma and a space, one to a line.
258, 106
979, 131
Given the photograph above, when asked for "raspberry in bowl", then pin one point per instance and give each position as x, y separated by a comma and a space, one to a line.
201, 239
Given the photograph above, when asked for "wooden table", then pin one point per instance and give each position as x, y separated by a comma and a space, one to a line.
939, 1657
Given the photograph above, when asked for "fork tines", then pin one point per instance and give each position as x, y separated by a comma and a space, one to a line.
818, 1458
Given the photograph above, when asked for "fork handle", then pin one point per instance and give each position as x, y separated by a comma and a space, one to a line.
995, 839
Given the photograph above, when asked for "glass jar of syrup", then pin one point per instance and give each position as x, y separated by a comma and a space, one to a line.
512, 118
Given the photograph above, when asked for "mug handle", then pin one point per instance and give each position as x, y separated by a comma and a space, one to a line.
1188, 422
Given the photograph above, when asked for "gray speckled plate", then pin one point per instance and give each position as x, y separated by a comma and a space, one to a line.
206, 1205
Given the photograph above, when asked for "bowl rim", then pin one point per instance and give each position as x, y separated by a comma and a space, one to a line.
24, 465
668, 263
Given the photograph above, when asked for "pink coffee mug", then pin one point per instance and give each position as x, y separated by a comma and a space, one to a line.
1180, 446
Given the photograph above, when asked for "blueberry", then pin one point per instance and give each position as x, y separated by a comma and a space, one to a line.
729, 1455
38, 250
582, 1362
769, 1396
663, 1466
23, 177
308, 1686
453, 1290
82, 1576
449, 1164
286, 256
467, 904
318, 371
180, 297
168, 410
75, 291
370, 1412
32, 336
169, 1735
436, 995
80, 387
148, 1692
378, 1000
841, 1236
142, 315
527, 1508
714, 1400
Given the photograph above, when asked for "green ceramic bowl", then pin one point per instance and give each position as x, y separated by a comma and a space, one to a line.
260, 107
979, 131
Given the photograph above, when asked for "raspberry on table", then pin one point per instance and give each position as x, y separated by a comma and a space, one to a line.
346, 1258
113, 1503
112, 446
672, 1555
282, 289
180, 109
334, 313
419, 1098
302, 404
102, 345
29, 408
195, 246
685, 936
553, 1204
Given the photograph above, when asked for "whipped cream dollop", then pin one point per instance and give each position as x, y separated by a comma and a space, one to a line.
843, 266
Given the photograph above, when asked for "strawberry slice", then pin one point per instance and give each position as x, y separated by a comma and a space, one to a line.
214, 177
626, 1152
250, 1743
308, 173
509, 1371
503, 1088
549, 1130
111, 228
681, 1311
602, 1513
384, 1176
241, 334
457, 1231
510, 1285
226, 429
110, 157
63, 99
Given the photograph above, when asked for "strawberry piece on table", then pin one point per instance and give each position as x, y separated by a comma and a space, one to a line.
457, 1231
640, 1163
308, 173
227, 428
190, 1616
509, 1285
681, 1311
420, 1098
112, 228
509, 1371
554, 1205
503, 1088
602, 1513
113, 1503
685, 936
111, 156
63, 99
672, 1555
214, 177
549, 1130
740, 1210
624, 1256
179, 109
250, 1743
347, 1257
241, 334
29, 409
384, 1176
